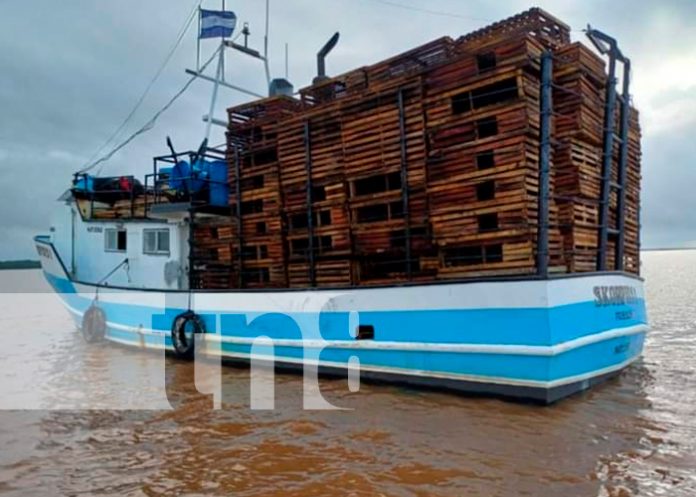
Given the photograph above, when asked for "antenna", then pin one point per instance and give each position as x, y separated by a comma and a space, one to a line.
246, 32
198, 41
218, 79
265, 37
222, 57
265, 44
286, 62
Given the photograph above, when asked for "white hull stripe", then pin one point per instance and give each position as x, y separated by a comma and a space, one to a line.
410, 372
533, 350
529, 350
525, 294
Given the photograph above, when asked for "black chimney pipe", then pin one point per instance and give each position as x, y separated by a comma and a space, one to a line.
321, 57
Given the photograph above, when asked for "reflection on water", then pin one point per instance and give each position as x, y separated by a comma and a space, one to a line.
635, 435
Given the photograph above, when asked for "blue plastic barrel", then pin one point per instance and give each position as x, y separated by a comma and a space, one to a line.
219, 191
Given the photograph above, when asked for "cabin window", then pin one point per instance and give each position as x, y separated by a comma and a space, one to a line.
156, 241
115, 240
486, 127
377, 184
261, 228
486, 62
485, 191
485, 160
488, 222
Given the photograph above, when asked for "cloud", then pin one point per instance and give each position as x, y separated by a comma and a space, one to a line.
66, 156
60, 103
666, 93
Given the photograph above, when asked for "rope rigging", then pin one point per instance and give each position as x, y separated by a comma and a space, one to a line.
182, 32
151, 123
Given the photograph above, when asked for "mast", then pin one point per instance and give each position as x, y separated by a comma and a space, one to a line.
265, 45
216, 86
218, 79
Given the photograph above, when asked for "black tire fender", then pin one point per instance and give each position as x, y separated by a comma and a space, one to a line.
184, 329
94, 324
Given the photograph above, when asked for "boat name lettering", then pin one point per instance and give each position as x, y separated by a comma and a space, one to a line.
44, 252
95, 229
615, 295
624, 315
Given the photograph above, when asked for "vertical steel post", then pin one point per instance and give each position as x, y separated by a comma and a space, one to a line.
132, 196
191, 243
310, 221
544, 164
610, 105
198, 43
623, 159
155, 186
216, 86
222, 72
404, 182
91, 197
265, 47
238, 190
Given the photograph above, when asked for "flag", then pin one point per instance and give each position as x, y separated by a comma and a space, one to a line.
217, 23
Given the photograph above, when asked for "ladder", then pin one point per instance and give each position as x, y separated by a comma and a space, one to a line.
608, 46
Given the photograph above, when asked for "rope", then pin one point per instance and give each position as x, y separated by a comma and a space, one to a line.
432, 12
151, 123
182, 32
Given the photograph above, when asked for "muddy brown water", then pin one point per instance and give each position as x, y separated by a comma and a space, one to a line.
635, 435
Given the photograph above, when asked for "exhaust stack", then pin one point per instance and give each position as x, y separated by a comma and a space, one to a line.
321, 58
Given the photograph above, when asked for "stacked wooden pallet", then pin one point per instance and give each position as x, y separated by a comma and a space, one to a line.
137, 208
317, 223
632, 203
482, 116
426, 166
255, 192
579, 101
213, 249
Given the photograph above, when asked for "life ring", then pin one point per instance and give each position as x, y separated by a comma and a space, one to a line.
94, 324
184, 329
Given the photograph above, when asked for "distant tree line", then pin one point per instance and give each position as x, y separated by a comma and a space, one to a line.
22, 264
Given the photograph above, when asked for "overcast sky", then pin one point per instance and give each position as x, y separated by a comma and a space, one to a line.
71, 70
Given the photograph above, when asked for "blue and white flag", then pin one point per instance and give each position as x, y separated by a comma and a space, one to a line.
217, 23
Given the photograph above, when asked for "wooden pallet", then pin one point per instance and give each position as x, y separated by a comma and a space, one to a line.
469, 123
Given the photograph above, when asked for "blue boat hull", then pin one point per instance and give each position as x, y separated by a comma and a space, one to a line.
534, 339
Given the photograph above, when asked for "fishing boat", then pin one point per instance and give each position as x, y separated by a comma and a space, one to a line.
462, 216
